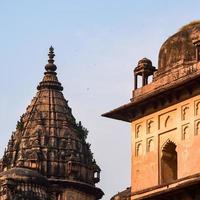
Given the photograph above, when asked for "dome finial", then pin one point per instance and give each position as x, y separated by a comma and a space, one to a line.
51, 67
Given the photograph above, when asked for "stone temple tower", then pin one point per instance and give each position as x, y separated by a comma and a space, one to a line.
165, 121
47, 157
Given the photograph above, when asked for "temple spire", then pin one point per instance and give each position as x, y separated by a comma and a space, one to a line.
51, 67
50, 80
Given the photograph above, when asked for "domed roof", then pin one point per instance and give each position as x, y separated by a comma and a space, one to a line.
180, 47
144, 66
145, 61
25, 174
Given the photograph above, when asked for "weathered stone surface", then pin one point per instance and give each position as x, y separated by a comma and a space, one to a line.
165, 123
123, 195
49, 143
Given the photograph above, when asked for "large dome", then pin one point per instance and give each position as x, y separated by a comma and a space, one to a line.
179, 48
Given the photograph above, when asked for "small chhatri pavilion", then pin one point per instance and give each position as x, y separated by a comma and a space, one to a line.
47, 157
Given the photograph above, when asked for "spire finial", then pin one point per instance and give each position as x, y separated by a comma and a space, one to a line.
51, 67
51, 55
50, 79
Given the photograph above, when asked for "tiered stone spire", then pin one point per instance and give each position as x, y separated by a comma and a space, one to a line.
50, 79
48, 139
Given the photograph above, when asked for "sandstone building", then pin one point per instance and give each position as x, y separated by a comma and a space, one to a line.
165, 120
47, 157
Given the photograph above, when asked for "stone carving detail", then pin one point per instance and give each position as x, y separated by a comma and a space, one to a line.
197, 108
185, 110
197, 128
149, 126
150, 145
185, 132
167, 121
138, 131
139, 149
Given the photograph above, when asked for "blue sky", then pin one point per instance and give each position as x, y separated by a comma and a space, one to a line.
97, 46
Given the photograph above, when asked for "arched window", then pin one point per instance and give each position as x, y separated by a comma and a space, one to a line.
169, 163
197, 130
185, 112
197, 108
149, 126
138, 130
139, 149
185, 134
150, 145
167, 121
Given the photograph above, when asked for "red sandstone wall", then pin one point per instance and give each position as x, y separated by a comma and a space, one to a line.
176, 124
144, 172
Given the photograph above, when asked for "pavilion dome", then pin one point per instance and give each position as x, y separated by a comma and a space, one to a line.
179, 49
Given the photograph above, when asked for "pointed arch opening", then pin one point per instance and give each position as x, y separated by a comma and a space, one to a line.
168, 163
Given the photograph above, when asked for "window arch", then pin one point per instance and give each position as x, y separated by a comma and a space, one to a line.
167, 121
149, 126
197, 129
138, 130
185, 112
139, 149
150, 145
168, 163
197, 108
185, 134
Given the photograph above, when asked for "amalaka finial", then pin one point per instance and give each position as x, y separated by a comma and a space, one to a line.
51, 67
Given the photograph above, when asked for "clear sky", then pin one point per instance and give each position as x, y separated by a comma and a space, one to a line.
97, 44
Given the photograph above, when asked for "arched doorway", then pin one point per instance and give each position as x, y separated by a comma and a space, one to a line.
168, 163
